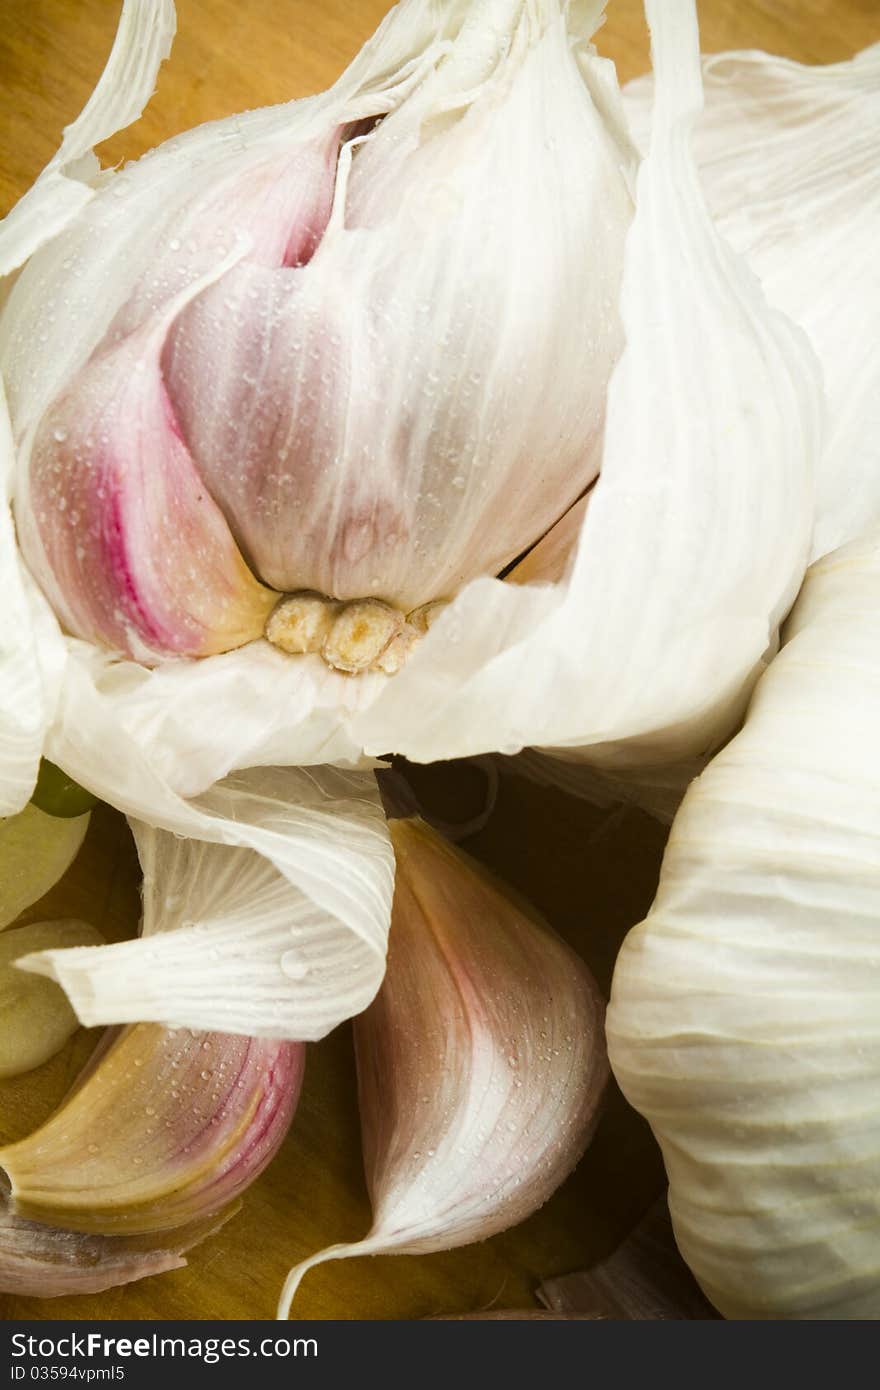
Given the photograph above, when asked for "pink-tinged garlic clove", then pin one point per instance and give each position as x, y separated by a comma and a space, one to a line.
119, 526
38, 1261
481, 1062
275, 205
36, 1018
164, 1127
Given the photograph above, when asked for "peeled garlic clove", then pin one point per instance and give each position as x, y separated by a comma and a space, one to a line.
35, 1017
35, 850
39, 1261
133, 551
481, 1062
165, 1127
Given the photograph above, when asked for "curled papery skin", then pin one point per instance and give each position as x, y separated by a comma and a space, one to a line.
121, 530
743, 1016
38, 1261
481, 1062
35, 1016
35, 850
166, 1127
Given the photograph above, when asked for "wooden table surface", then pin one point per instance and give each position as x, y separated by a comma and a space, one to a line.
592, 873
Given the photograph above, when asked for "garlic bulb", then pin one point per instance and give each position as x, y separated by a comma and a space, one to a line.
743, 1017
396, 386
481, 1063
688, 556
35, 1017
163, 1128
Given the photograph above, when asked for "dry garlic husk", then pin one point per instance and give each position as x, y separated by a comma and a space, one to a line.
163, 1128
744, 1014
35, 850
38, 1261
272, 922
692, 547
790, 157
481, 1063
698, 529
35, 1016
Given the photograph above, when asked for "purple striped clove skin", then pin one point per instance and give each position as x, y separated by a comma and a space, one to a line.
165, 1127
136, 554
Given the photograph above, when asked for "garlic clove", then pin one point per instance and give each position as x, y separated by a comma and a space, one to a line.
38, 1261
35, 850
275, 205
417, 403
35, 1017
164, 1127
481, 1062
120, 528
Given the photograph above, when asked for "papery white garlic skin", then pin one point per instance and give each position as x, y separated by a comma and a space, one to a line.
744, 1009
35, 1017
481, 1062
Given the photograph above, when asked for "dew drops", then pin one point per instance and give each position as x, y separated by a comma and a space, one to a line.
293, 965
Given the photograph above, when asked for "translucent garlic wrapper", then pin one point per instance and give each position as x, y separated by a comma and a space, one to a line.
361, 352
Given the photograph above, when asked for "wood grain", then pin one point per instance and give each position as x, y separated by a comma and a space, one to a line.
591, 873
